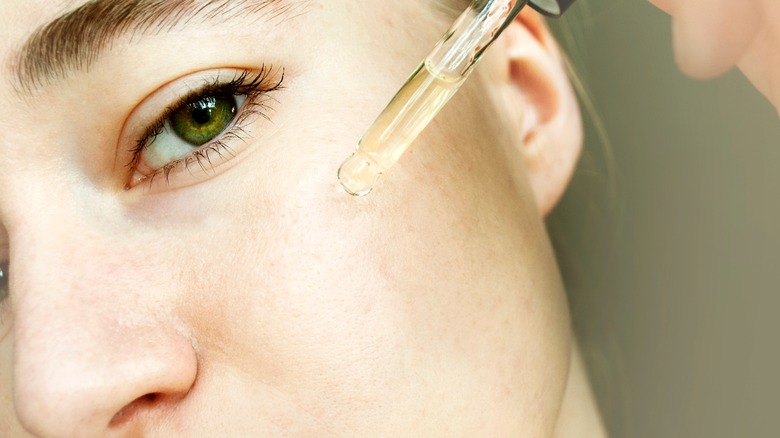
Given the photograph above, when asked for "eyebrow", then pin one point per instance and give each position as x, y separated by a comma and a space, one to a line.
74, 41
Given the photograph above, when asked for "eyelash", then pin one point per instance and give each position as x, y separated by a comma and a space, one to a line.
253, 85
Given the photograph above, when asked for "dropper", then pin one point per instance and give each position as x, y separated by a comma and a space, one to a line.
431, 86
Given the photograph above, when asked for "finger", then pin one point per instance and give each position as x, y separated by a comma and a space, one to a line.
711, 36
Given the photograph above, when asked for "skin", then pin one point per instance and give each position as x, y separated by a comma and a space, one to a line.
713, 36
261, 300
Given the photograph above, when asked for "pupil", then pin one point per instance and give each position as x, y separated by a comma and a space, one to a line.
201, 115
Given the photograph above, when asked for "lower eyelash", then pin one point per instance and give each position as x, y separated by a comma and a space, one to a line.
254, 88
201, 156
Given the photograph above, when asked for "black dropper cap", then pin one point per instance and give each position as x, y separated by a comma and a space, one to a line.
552, 8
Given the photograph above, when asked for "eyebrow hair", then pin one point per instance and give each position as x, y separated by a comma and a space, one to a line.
75, 40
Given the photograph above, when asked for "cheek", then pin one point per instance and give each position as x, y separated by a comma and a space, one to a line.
289, 296
336, 300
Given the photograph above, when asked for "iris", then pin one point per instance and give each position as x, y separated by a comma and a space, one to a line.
201, 121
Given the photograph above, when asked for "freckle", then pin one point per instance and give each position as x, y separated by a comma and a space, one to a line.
386, 271
368, 306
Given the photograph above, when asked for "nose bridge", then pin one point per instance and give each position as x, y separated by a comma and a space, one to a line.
90, 338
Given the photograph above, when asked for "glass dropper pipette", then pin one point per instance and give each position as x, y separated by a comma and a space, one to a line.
430, 87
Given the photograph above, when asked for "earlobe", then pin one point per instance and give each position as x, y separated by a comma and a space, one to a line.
539, 95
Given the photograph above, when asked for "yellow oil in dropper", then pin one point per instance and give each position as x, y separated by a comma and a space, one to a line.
426, 92
410, 111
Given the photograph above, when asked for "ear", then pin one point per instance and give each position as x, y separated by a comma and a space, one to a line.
540, 99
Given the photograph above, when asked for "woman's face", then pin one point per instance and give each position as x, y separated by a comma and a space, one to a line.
161, 288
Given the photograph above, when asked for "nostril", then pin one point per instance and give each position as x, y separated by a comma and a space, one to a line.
129, 411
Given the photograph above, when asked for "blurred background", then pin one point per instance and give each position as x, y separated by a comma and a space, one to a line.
670, 234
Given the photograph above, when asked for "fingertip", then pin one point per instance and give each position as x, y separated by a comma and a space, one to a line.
664, 5
710, 41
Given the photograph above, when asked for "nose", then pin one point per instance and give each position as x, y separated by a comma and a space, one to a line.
97, 349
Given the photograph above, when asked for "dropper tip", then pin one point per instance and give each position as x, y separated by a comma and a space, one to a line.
358, 174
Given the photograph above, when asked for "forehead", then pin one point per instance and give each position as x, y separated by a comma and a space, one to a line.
19, 19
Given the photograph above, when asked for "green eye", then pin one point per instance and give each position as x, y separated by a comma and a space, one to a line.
3, 281
201, 121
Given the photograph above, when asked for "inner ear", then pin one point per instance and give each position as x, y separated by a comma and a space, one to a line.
537, 91
542, 101
536, 26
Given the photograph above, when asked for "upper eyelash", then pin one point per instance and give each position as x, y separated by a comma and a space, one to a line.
251, 84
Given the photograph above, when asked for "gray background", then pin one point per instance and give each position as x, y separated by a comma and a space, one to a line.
669, 236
